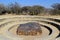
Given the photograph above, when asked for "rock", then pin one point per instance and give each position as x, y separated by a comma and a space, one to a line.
30, 28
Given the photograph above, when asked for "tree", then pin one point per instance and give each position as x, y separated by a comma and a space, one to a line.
26, 9
56, 6
32, 10
15, 8
56, 9
2, 9
37, 9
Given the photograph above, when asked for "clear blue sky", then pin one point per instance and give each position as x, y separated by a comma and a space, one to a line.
45, 3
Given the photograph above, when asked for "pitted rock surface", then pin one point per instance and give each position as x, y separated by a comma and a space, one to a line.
31, 28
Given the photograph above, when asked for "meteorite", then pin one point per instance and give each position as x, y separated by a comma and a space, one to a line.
30, 28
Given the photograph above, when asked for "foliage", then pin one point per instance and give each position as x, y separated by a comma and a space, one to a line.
15, 8
56, 9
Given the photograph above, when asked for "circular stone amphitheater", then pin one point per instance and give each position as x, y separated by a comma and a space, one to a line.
29, 27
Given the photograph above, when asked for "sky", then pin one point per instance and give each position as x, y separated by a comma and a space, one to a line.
45, 3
